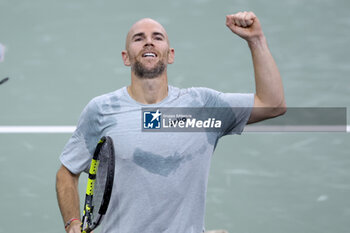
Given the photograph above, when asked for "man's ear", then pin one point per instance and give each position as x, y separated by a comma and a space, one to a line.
171, 56
125, 57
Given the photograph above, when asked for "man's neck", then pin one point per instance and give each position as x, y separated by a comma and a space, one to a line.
148, 91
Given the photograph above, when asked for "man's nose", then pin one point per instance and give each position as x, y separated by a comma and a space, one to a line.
149, 42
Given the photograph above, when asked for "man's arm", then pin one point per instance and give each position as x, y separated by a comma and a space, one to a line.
68, 198
269, 97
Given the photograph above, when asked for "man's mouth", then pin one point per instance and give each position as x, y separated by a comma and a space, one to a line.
149, 54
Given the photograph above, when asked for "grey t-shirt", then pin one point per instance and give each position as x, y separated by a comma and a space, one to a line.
161, 177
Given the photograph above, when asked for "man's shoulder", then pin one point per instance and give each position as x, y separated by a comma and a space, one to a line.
113, 95
200, 92
108, 101
194, 96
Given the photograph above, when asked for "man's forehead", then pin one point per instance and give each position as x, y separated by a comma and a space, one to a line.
146, 24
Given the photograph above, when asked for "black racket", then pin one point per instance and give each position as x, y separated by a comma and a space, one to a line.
4, 80
100, 184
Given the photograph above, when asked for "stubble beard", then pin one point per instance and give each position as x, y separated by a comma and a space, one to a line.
141, 71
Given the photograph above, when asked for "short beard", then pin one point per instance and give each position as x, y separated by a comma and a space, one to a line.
142, 72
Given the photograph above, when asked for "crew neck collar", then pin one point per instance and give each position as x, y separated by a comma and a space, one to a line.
171, 92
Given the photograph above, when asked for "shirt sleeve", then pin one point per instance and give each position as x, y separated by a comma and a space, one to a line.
239, 111
233, 109
78, 151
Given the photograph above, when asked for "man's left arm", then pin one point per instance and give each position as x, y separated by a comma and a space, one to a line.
269, 97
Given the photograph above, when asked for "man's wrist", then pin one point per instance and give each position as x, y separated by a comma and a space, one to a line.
74, 227
70, 221
257, 42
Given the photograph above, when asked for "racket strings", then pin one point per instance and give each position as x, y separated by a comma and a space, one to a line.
101, 178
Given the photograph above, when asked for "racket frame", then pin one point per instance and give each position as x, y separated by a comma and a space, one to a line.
87, 224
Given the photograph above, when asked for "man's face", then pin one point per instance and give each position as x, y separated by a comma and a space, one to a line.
147, 49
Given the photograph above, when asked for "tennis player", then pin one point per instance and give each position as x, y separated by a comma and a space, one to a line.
161, 178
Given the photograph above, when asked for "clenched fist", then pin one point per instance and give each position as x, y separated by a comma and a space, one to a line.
245, 24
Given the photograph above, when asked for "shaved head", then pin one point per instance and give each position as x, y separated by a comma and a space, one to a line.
147, 49
139, 25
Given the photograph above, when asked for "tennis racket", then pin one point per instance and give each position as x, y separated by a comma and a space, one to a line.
4, 80
99, 186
